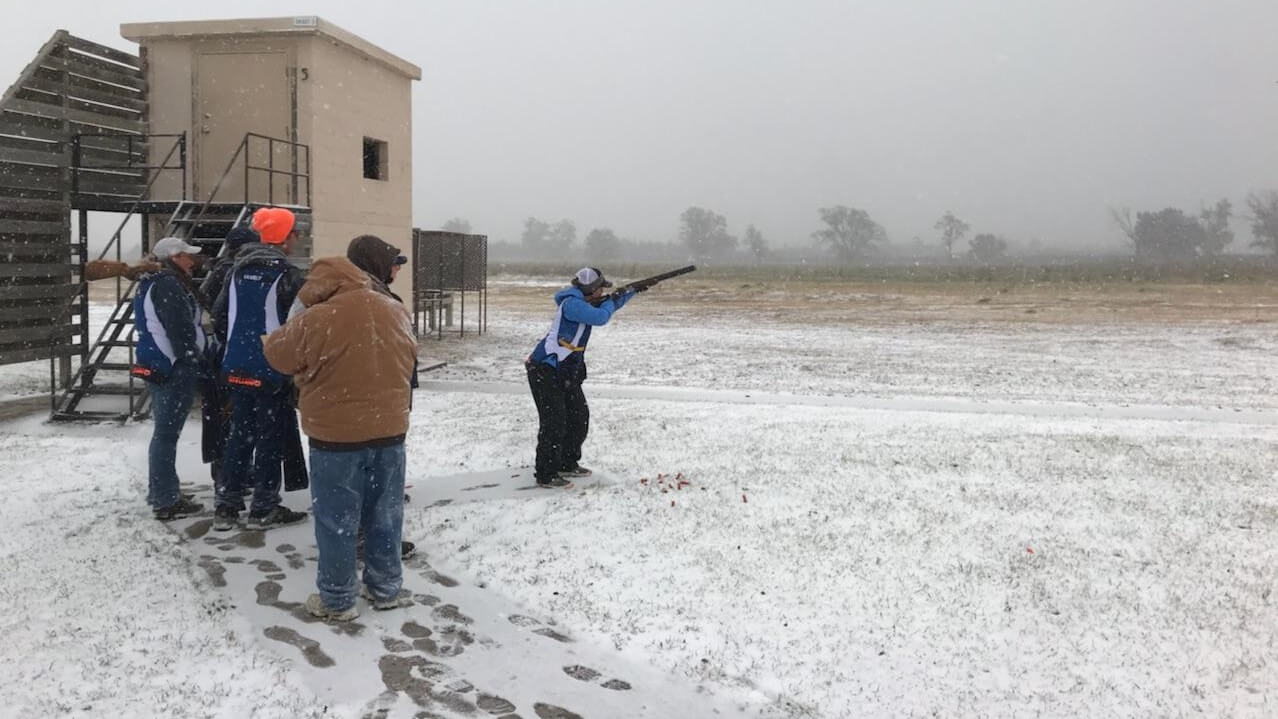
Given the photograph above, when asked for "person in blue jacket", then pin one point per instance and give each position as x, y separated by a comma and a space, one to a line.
557, 367
256, 300
170, 357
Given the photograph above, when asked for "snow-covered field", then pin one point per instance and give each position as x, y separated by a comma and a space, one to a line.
896, 557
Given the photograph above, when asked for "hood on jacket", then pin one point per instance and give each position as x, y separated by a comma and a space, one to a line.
331, 276
567, 292
259, 254
373, 255
238, 237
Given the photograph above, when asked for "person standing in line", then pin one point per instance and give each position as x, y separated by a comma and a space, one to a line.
381, 261
350, 353
557, 367
216, 409
170, 357
256, 300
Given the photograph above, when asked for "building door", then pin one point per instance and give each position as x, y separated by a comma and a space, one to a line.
239, 93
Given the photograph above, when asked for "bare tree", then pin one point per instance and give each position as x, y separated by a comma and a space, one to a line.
952, 230
850, 233
1122, 217
705, 233
756, 244
1264, 219
1215, 223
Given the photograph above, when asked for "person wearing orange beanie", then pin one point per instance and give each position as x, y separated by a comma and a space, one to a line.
256, 301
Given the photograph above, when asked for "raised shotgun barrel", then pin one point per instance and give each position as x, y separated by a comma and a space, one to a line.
645, 283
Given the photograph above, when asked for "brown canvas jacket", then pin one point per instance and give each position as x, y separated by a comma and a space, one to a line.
351, 355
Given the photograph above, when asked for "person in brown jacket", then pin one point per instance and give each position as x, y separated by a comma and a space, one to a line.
351, 353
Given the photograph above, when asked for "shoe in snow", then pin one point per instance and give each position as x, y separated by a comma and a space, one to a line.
316, 607
277, 517
179, 509
407, 549
225, 519
403, 599
575, 471
556, 482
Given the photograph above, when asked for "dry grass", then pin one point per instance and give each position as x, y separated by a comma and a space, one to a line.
859, 302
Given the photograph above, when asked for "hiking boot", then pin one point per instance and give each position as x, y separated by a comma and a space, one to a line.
179, 509
555, 482
575, 471
225, 519
277, 517
403, 599
316, 607
407, 549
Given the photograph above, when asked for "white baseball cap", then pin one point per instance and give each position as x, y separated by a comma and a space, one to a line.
170, 246
590, 278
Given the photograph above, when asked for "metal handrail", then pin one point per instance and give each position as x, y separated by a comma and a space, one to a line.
113, 242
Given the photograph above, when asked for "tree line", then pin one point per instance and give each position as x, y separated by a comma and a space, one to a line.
1173, 234
849, 234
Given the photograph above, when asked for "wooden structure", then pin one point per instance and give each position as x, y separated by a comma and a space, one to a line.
72, 137
209, 121
447, 266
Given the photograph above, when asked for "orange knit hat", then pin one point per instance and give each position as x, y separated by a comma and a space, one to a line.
273, 224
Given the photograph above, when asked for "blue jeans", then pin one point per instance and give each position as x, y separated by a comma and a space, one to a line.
350, 491
170, 405
254, 450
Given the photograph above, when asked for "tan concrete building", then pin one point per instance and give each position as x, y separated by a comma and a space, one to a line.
300, 80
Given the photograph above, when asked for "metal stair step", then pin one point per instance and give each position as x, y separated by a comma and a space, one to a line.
114, 390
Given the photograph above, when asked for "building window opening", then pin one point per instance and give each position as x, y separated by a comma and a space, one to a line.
375, 166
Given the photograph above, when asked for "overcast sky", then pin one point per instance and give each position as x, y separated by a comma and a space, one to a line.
1025, 118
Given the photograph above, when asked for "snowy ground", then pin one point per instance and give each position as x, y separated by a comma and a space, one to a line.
942, 518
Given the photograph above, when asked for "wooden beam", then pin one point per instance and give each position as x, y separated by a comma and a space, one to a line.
31, 204
30, 177
35, 128
32, 157
122, 98
14, 269
33, 227
101, 183
13, 356
42, 335
62, 291
35, 251
102, 72
110, 53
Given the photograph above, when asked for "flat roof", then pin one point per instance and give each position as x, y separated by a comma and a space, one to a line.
297, 25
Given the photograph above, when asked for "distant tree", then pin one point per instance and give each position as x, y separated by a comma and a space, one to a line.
755, 244
1168, 234
987, 247
1215, 224
850, 232
602, 244
705, 233
457, 224
952, 231
535, 234
1264, 220
1122, 217
562, 237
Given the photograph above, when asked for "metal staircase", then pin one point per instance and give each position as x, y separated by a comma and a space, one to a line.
104, 389
105, 374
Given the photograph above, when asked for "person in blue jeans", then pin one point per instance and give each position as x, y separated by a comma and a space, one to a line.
351, 353
256, 299
169, 357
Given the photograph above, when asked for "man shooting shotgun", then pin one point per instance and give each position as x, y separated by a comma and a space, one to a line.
557, 367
